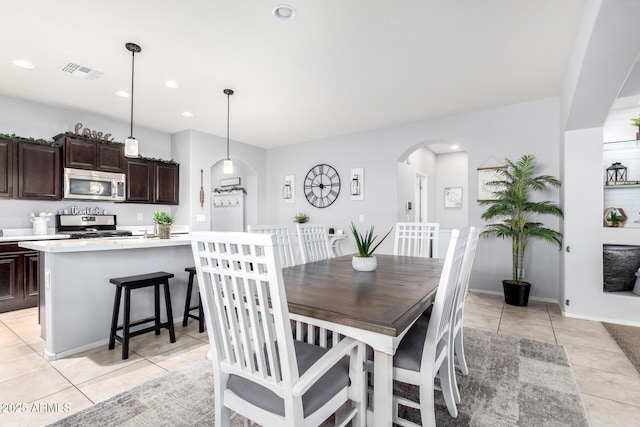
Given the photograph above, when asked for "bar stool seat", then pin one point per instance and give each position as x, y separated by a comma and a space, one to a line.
137, 282
187, 306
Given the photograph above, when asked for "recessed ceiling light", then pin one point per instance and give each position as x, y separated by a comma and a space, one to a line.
187, 114
284, 12
121, 94
23, 64
172, 84
455, 147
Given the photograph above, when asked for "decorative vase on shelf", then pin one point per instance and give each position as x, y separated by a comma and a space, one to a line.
163, 231
364, 263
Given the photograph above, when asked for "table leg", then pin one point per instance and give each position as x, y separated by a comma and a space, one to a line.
382, 389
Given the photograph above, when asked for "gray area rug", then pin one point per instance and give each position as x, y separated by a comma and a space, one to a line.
512, 382
628, 338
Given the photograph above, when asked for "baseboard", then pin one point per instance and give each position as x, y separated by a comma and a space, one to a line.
500, 293
599, 319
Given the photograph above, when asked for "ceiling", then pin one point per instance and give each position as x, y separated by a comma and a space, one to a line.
340, 67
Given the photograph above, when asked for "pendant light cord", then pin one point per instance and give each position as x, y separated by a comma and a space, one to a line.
133, 60
228, 95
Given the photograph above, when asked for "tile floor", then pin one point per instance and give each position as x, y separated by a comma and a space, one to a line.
34, 392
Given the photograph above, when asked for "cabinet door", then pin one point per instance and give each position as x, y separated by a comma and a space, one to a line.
167, 183
110, 157
39, 174
31, 278
139, 181
7, 161
10, 296
79, 154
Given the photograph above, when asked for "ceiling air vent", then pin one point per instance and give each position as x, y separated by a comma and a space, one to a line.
80, 71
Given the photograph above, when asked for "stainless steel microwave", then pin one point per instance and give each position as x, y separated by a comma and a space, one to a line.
94, 185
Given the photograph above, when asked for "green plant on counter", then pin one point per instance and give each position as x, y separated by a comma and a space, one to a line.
366, 241
635, 122
301, 218
163, 218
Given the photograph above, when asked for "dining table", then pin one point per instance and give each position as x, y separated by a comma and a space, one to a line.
376, 307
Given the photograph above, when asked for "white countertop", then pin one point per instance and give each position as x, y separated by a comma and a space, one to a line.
20, 234
105, 244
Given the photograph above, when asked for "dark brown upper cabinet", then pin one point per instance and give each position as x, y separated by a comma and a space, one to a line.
39, 171
89, 154
7, 168
139, 181
167, 183
152, 182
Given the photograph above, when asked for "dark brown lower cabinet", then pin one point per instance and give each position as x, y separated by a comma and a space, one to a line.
19, 280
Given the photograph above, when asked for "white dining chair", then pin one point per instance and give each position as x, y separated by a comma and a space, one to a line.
283, 238
314, 242
417, 239
458, 311
425, 352
259, 371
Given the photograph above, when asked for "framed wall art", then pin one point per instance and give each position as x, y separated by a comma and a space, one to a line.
453, 197
486, 176
230, 182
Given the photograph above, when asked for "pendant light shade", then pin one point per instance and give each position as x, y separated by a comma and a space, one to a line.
131, 143
227, 167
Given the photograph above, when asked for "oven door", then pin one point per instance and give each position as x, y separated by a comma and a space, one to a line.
93, 185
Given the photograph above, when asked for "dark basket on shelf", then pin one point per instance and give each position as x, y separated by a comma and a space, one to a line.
619, 265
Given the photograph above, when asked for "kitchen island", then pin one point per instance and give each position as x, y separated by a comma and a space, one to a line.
76, 298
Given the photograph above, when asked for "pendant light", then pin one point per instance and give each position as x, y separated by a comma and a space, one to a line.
131, 144
227, 167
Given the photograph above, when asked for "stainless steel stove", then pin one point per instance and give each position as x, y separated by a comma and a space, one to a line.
88, 226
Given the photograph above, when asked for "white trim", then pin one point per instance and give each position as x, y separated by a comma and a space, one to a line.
500, 293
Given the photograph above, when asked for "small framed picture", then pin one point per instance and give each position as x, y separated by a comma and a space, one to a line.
485, 177
230, 182
453, 197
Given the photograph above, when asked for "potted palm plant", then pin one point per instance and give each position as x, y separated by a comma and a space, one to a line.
515, 211
163, 223
365, 260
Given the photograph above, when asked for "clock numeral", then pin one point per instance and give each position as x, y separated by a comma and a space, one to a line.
333, 193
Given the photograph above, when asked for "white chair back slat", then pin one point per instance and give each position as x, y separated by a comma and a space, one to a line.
254, 356
417, 239
285, 246
314, 242
451, 278
242, 288
458, 311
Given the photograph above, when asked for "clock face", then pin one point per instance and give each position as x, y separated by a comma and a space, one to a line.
322, 185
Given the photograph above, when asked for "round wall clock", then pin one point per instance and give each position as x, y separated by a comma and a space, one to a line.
322, 185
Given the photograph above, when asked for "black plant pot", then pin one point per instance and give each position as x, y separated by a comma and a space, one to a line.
516, 292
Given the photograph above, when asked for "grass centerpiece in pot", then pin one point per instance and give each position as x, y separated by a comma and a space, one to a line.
163, 223
365, 260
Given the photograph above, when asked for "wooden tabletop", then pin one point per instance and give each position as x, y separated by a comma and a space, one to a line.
385, 301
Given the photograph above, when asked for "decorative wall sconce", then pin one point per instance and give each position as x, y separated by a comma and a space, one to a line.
616, 174
356, 187
288, 190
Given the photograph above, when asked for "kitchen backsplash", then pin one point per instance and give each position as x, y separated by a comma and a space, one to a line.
17, 213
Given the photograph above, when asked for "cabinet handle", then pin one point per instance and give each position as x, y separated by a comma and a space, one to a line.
568, 248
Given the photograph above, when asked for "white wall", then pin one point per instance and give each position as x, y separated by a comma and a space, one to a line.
508, 131
29, 119
607, 47
206, 152
452, 171
192, 149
